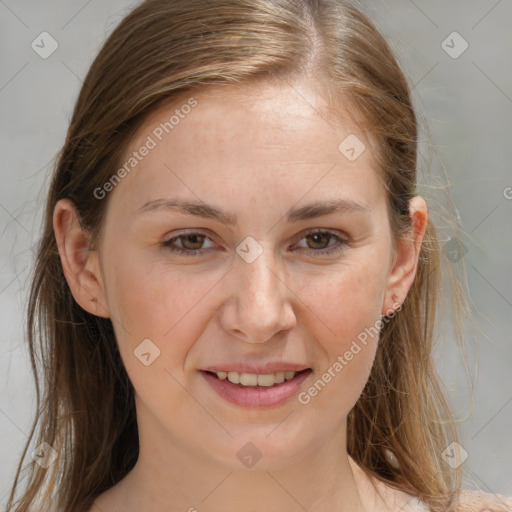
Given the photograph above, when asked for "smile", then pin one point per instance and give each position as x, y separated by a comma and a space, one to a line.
256, 390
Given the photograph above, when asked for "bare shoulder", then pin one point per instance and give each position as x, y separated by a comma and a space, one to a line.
480, 501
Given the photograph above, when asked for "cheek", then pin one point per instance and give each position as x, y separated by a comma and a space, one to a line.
165, 308
161, 304
346, 299
346, 304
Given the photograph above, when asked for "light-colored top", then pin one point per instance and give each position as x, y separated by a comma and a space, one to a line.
469, 501
479, 501
391, 499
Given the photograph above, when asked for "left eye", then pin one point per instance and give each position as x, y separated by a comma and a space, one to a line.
191, 243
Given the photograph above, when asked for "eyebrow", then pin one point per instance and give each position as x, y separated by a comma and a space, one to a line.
208, 211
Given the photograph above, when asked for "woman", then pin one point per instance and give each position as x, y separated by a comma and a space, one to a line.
236, 281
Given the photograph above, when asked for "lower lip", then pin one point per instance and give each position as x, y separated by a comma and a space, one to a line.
256, 396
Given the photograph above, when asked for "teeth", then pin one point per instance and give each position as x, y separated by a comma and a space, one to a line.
266, 380
248, 379
234, 377
253, 379
279, 377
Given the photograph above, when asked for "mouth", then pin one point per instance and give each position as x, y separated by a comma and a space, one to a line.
243, 379
256, 390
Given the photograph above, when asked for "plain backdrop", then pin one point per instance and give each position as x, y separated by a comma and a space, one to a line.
466, 98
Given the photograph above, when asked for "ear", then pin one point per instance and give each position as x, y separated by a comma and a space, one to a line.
80, 265
405, 261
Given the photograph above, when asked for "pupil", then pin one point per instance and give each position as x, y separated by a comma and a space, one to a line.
317, 236
195, 240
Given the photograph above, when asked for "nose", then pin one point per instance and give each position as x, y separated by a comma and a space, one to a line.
260, 305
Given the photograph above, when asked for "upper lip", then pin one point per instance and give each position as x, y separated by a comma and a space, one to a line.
258, 369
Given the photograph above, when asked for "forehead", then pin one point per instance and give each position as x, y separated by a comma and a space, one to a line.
271, 138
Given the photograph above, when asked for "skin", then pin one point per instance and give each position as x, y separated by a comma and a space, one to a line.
257, 152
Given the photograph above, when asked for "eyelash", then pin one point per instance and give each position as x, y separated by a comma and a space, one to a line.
197, 252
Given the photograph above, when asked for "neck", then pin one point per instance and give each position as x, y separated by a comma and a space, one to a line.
171, 476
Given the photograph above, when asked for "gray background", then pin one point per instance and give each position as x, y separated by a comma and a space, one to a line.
467, 102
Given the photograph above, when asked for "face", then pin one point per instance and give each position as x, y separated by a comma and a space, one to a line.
262, 278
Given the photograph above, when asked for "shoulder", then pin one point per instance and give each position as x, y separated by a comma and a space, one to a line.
390, 498
480, 501
468, 501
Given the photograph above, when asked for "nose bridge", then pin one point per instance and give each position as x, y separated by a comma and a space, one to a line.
262, 305
261, 278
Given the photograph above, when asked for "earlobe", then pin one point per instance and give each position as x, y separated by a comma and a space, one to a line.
406, 259
80, 266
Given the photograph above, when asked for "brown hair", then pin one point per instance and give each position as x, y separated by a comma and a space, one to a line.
159, 52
